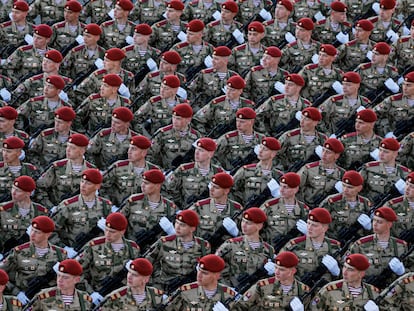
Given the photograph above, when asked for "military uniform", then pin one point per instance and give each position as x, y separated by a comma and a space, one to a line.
400, 294
352, 54
295, 55
371, 79
133, 60
63, 36
51, 298
12, 37
7, 176
325, 33
357, 8
50, 11
218, 35
406, 152
242, 59
404, 212
275, 32
248, 8
10, 303
163, 36
97, 10
402, 53
147, 11
112, 36
5, 9
303, 8
198, 10
379, 33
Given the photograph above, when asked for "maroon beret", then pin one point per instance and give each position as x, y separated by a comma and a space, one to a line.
295, 78
79, 140
183, 110
351, 76
382, 48
255, 214
125, 5
54, 55
142, 265
21, 6
56, 81
140, 141
207, 144
312, 113
115, 54
246, 113
112, 79
334, 144
365, 24
305, 22
387, 4
390, 144
321, 215
358, 261
65, 113
123, 113
176, 5
367, 115
25, 183
328, 49
13, 142
410, 178
339, 6
8, 113
212, 263
287, 259
189, 217
73, 5
143, 29
273, 51
271, 143
43, 223
236, 82
4, 277
93, 175
171, 57
291, 179
409, 77
231, 6
171, 81
195, 25
117, 221
223, 180
154, 176
387, 213
287, 4
353, 178
43, 30
256, 26
71, 266
222, 51
93, 29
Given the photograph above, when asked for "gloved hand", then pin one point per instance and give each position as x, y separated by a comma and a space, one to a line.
101, 223
167, 225
56, 267
230, 226
302, 226
371, 306
365, 221
396, 266
71, 252
219, 307
296, 305
23, 298
128, 264
96, 298
331, 264
29, 230
270, 267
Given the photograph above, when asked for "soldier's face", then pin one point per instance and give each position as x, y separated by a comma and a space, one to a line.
18, 195
232, 93
120, 12
265, 153
180, 123
149, 188
207, 278
194, 37
316, 229
287, 192
106, 90
167, 92
11, 155
244, 126
350, 88
408, 89
363, 127
135, 280
74, 152
283, 273
49, 65
50, 91
254, 37
325, 59
220, 62
380, 225
378, 58
6, 125
270, 61
172, 14
70, 16
202, 155
249, 227
338, 17
292, 89
38, 237
386, 15
409, 190
66, 282
350, 191
40, 42
182, 229
352, 275
111, 64
113, 236
216, 192
387, 156
302, 33
135, 153
328, 156
119, 126
227, 15
167, 68
307, 124
90, 39
281, 13
62, 126
87, 187
361, 34
18, 16
140, 39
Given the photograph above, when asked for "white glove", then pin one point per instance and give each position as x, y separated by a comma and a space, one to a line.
280, 87
5, 94
167, 225
270, 267
392, 35
374, 154
319, 16
265, 15
208, 61
124, 91
318, 151
23, 298
376, 7
274, 188
396, 266
298, 115
337, 86
369, 55
296, 305
152, 65
238, 36
338, 185
400, 185
56, 267
29, 39
114, 208
101, 223
216, 15
22, 155
29, 230
129, 40
182, 93
302, 226
315, 58
391, 85
343, 38
63, 96
219, 307
365, 221
371, 306
331, 264
128, 264
79, 39
111, 13
99, 63
230, 226
289, 37
71, 252
96, 298
182, 36
390, 135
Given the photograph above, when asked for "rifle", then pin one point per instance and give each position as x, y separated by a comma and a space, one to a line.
140, 75
110, 283
39, 282
80, 78
405, 21
245, 281
82, 238
13, 242
319, 99
147, 237
351, 232
164, 305
221, 128
65, 50
298, 164
380, 199
176, 282
403, 128
320, 283
194, 198
258, 199
282, 128
280, 240
180, 159
5, 197
192, 71
239, 162
68, 195
407, 235
320, 197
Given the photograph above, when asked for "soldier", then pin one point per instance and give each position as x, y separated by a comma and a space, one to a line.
248, 252
50, 11
278, 292
218, 116
64, 295
97, 11
342, 107
188, 183
350, 292
137, 294
50, 144
78, 215
252, 180
398, 296
385, 25
380, 176
318, 179
309, 9
115, 33
234, 146
8, 116
202, 10
16, 215
146, 209
106, 256
249, 11
147, 11
8, 303
62, 179
297, 54
402, 53
206, 293
174, 256
33, 259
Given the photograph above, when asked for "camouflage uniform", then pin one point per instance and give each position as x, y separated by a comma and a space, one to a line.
97, 10
133, 60
353, 53
406, 152
13, 37
218, 35
371, 79
146, 11
275, 34
324, 32
404, 213
379, 33
63, 36
248, 8
357, 8
11, 303
242, 58
50, 11
402, 53
51, 298
113, 37
295, 56
5, 9
163, 36
7, 177
304, 9
400, 295
198, 10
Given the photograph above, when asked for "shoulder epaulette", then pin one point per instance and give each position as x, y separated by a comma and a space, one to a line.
89, 164
400, 241
208, 70
107, 23
97, 241
100, 72
166, 128
50, 293
373, 163
26, 47
335, 285
294, 133
6, 24
366, 239
397, 200
366, 65
79, 48
22, 246
136, 197
404, 39
251, 165
119, 294
128, 48
397, 96
7, 206
133, 244
312, 164
71, 200
351, 43
48, 132
214, 23
161, 23
232, 134
257, 68
272, 202
31, 166
229, 290
268, 23
194, 2
41, 208
366, 100
59, 25
219, 99
298, 240
393, 68
311, 66
347, 24
168, 238
237, 205
240, 47
154, 74
37, 77
60, 163
122, 163
373, 19
408, 280
321, 22
182, 44
337, 97
201, 241
334, 242
189, 286
236, 239
55, 248
126, 100
266, 281
350, 135
107, 201
187, 166
105, 132
335, 198
16, 302
404, 168
2, 164
203, 202
155, 99
37, 98
292, 44
278, 96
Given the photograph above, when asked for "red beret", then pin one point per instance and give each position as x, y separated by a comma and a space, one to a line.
321, 215
382, 48
171, 57
351, 76
387, 4
387, 213
71, 266
93, 175
409, 77
79, 140
287, 4
291, 179
54, 55
117, 221
154, 176
271, 143
222, 51
56, 81
171, 81
123, 114
246, 113
13, 142
143, 29
25, 183
183, 110
236, 82
231, 6
365, 24
295, 78
125, 5
207, 144
255, 214
223, 180
339, 6
390, 144
43, 30
367, 115
176, 5
115, 54
305, 22
273, 51
112, 79
188, 217
8, 113
74, 6
212, 263
43, 223
287, 259
410, 178
21, 6
93, 29
142, 265
334, 144
328, 49
358, 261
141, 142
256, 26
65, 113
195, 25
352, 178
4, 277
312, 113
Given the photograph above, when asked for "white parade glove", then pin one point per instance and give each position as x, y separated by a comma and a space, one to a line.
63, 96
318, 151
23, 298
29, 230
53, 210
302, 226
331, 264
5, 94
391, 85
238, 36
371, 306
56, 267
274, 188
298, 115
96, 298
405, 31
22, 155
365, 221
29, 39
111, 13
208, 61
129, 40
182, 93
319, 16
270, 267
265, 15
360, 108
152, 65
101, 223
289, 37
167, 225
280, 87
390, 135
296, 305
114, 208
396, 266
216, 15
71, 252
337, 86
369, 55
218, 306
400, 185
392, 35
182, 36
230, 226
339, 187
99, 63
315, 58
343, 38
128, 264
374, 154
124, 91
256, 149
79, 39
376, 7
